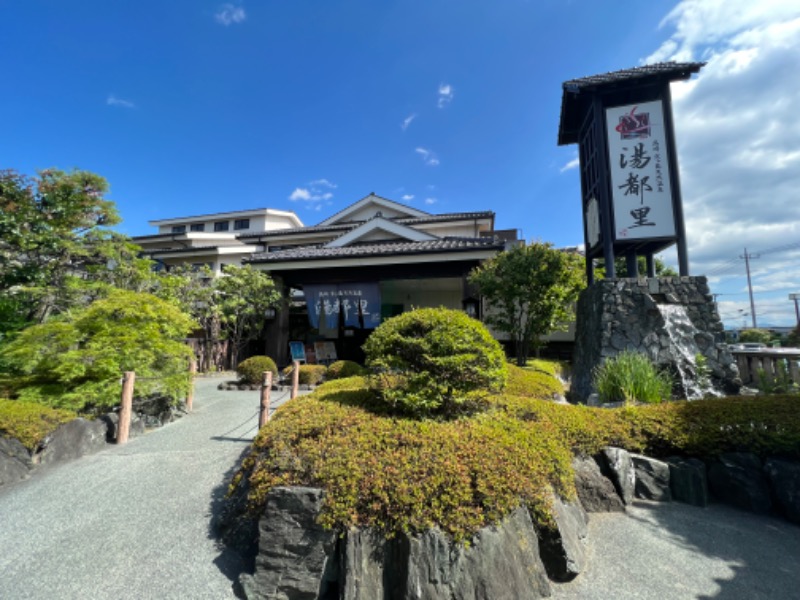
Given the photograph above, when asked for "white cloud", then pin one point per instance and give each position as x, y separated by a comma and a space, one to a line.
228, 14
573, 164
407, 121
112, 100
739, 144
445, 95
324, 183
428, 156
431, 200
314, 194
408, 197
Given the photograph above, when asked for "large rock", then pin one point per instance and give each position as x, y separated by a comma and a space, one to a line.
784, 478
111, 420
501, 563
688, 481
736, 478
15, 461
596, 492
563, 549
616, 464
72, 440
296, 558
652, 478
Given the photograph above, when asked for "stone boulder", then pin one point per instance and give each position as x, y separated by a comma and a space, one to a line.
784, 478
652, 478
111, 421
15, 460
596, 492
71, 440
501, 563
563, 550
688, 481
296, 557
736, 478
616, 464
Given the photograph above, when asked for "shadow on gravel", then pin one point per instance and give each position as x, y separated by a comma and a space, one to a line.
763, 552
236, 537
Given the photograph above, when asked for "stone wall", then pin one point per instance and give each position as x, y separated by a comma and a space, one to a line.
671, 319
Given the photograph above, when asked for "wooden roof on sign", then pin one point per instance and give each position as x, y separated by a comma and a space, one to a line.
578, 93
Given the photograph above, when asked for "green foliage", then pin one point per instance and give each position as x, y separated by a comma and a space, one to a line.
434, 361
780, 382
344, 368
51, 227
534, 381
631, 377
308, 374
402, 475
244, 294
76, 361
531, 290
621, 267
252, 370
30, 422
759, 336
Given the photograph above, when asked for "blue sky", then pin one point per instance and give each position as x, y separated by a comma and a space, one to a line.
189, 107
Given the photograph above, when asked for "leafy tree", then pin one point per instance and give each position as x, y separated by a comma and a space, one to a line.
242, 296
75, 360
531, 291
621, 267
793, 339
760, 336
51, 228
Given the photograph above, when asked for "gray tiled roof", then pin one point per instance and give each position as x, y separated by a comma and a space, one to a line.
379, 249
574, 102
353, 224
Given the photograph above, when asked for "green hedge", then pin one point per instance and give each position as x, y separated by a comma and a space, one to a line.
252, 370
408, 475
30, 422
309, 374
344, 368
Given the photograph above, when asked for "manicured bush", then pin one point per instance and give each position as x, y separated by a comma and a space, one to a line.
344, 368
434, 361
75, 361
30, 422
631, 377
404, 475
309, 374
252, 370
534, 382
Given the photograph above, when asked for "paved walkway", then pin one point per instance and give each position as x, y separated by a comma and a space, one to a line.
131, 521
673, 551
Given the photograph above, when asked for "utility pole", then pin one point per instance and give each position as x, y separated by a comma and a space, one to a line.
796, 297
747, 258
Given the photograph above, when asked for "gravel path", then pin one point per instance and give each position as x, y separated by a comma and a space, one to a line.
131, 521
673, 551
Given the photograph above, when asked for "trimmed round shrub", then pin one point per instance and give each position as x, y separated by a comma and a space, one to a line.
252, 370
434, 361
309, 374
344, 368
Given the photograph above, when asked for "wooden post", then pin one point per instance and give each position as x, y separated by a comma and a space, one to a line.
126, 407
295, 379
266, 387
190, 395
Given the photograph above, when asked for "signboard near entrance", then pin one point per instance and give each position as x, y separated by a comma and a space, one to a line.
298, 351
639, 165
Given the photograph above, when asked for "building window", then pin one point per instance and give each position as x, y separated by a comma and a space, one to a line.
222, 226
179, 229
241, 224
197, 227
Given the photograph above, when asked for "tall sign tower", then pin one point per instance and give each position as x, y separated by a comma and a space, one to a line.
631, 199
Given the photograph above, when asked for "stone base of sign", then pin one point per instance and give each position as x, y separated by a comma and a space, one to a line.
671, 319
